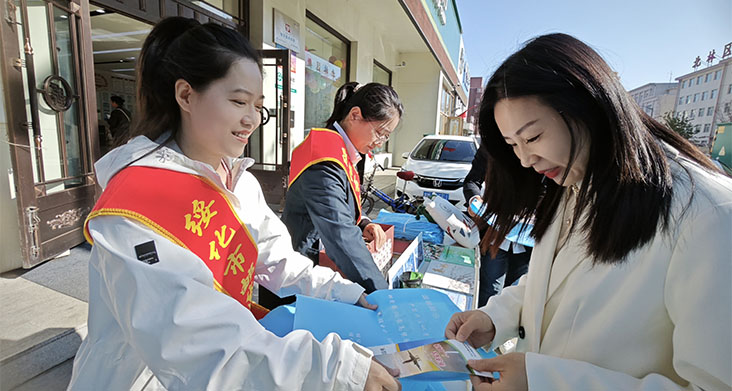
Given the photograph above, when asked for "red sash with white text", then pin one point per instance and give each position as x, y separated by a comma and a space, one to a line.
325, 145
193, 213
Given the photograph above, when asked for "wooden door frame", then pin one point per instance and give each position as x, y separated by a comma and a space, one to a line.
282, 58
32, 198
152, 11
20, 156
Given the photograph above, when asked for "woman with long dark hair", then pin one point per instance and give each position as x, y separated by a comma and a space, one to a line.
629, 282
182, 231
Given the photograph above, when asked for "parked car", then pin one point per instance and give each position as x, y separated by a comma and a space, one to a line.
440, 164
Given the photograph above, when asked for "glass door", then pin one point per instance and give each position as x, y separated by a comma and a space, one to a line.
269, 145
53, 100
59, 175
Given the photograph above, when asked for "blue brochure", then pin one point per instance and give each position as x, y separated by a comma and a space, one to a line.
403, 315
279, 321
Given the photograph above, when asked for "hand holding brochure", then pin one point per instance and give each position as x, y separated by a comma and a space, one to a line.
449, 356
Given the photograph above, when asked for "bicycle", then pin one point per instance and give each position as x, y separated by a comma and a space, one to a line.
402, 204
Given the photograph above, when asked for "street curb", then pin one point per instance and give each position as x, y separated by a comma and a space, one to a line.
23, 366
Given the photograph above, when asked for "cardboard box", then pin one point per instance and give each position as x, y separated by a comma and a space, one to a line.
408, 261
382, 257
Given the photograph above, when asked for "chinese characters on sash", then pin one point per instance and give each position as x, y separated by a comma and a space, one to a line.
237, 265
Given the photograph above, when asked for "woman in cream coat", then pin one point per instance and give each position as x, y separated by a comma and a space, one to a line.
629, 283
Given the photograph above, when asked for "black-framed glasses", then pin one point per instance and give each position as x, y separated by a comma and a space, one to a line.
382, 135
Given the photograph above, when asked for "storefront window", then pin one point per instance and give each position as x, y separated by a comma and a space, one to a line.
231, 7
381, 75
326, 70
446, 105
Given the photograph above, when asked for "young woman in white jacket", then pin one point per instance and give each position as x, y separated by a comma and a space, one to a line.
629, 283
182, 231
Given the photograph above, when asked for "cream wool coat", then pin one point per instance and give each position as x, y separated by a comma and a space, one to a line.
164, 326
660, 321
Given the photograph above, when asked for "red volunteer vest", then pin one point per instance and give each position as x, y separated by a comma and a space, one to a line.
193, 213
325, 145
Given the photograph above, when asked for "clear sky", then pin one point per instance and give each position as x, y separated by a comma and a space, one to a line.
645, 41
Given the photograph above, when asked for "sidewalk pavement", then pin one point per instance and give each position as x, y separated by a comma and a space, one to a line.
44, 313
44, 320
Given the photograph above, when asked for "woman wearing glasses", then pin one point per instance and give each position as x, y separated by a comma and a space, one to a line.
323, 204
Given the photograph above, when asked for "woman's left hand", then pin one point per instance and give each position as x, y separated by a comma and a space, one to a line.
511, 366
365, 304
374, 232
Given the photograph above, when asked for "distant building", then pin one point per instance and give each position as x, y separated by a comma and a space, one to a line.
705, 97
476, 93
656, 99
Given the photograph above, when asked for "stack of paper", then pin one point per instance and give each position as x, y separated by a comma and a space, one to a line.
450, 276
451, 270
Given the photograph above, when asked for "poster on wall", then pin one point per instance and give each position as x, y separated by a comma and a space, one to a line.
286, 31
322, 79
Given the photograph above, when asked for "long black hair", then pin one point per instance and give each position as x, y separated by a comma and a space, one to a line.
378, 102
182, 48
627, 188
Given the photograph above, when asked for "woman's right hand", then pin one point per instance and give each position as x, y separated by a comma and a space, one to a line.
381, 378
474, 326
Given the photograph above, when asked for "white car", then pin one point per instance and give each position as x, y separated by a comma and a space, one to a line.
440, 164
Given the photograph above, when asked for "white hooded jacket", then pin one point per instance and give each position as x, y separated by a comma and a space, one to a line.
164, 326
661, 320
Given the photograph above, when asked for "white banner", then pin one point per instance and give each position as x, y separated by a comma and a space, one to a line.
322, 66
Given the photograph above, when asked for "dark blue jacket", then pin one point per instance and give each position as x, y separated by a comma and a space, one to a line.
320, 206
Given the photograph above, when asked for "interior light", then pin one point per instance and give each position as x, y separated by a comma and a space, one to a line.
99, 37
212, 10
116, 50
